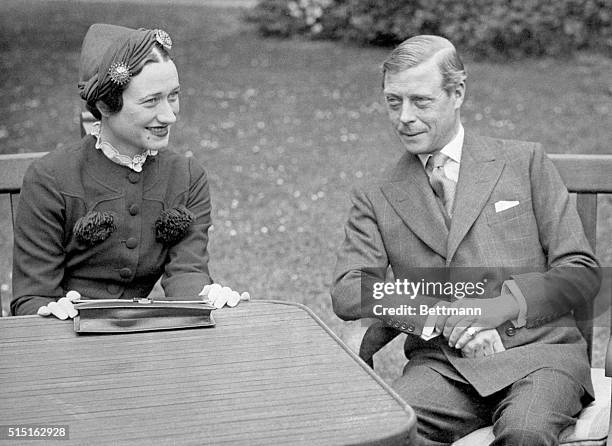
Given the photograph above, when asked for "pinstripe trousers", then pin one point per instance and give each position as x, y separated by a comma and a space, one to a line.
533, 411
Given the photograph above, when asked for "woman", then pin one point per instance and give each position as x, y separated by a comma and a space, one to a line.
110, 215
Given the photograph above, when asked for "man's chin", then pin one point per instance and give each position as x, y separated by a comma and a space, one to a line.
415, 147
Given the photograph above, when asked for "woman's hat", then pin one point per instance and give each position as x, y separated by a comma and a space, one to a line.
109, 55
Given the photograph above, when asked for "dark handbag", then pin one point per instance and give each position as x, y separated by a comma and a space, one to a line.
124, 316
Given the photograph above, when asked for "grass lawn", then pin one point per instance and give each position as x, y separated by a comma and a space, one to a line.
284, 128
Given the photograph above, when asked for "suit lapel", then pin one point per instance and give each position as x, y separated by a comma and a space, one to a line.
411, 196
478, 174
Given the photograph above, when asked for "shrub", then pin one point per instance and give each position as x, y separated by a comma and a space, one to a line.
490, 28
284, 18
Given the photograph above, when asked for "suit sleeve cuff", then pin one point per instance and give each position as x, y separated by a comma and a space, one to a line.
27, 305
429, 330
509, 287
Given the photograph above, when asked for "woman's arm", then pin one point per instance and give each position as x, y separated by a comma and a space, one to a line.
38, 254
186, 271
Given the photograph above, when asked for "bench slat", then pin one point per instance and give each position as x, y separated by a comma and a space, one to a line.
12, 169
585, 173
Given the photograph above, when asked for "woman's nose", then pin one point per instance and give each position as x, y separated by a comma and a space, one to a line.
167, 112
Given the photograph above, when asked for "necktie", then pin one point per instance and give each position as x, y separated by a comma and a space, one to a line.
443, 187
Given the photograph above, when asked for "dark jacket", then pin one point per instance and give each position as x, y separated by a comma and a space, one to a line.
87, 224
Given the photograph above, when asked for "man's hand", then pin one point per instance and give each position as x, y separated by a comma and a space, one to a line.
483, 343
219, 296
493, 312
63, 308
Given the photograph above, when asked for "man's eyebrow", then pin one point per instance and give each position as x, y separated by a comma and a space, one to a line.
421, 96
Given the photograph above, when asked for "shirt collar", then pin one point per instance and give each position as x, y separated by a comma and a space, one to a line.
453, 149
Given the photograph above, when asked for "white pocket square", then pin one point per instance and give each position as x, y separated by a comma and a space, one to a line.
503, 205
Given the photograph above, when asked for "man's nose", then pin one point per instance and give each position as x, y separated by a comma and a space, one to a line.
407, 114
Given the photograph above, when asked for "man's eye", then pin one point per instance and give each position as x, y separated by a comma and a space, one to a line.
394, 102
173, 96
422, 102
151, 101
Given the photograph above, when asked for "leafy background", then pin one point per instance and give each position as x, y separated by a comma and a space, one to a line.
285, 128
488, 28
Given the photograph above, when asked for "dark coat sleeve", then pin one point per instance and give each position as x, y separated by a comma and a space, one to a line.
38, 254
186, 270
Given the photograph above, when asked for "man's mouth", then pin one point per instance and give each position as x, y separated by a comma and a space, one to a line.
411, 134
159, 131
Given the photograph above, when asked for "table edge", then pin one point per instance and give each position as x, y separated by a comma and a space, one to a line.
410, 412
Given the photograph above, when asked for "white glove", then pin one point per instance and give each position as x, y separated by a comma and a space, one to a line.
219, 296
63, 308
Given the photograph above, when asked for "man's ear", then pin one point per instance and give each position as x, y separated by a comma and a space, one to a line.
459, 94
103, 109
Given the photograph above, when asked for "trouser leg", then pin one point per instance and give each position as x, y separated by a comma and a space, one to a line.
446, 410
535, 409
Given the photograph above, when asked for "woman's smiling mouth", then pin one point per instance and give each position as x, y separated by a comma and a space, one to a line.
159, 131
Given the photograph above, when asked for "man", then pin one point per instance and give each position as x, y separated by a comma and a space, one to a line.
496, 212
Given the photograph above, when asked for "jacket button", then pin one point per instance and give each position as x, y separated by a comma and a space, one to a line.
131, 243
125, 273
510, 331
410, 328
134, 209
133, 177
396, 324
403, 327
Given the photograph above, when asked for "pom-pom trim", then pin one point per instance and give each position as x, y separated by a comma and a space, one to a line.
173, 225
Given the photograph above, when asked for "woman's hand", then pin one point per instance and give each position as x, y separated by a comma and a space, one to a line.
63, 308
219, 296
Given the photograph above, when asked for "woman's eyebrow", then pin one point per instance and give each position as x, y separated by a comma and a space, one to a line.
159, 93
149, 96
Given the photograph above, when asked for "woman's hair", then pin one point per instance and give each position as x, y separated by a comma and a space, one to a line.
114, 98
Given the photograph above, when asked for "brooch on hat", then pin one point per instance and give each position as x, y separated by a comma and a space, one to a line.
119, 73
94, 227
163, 38
173, 224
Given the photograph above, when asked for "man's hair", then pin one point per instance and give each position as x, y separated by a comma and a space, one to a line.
419, 49
114, 98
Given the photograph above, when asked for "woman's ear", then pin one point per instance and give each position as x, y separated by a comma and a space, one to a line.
103, 109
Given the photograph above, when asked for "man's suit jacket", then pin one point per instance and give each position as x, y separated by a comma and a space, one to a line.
539, 243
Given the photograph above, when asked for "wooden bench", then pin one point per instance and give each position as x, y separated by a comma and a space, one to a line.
12, 169
86, 122
588, 177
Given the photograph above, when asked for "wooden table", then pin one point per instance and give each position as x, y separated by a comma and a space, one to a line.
269, 373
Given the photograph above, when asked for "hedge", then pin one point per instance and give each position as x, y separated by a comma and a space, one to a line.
490, 28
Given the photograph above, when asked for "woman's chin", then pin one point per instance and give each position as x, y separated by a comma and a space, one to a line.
156, 143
